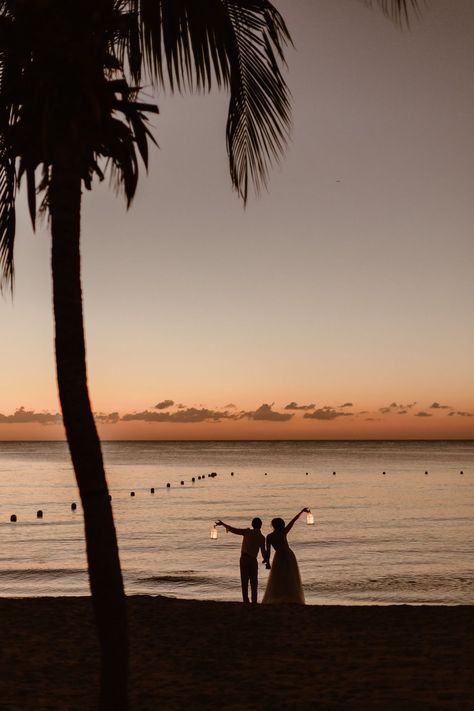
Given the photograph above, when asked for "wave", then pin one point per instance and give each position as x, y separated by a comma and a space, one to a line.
28, 573
179, 579
429, 583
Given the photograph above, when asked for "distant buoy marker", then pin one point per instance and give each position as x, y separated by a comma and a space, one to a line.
168, 485
39, 514
13, 518
73, 506
461, 472
152, 490
383, 473
426, 473
334, 473
132, 493
193, 479
232, 473
182, 483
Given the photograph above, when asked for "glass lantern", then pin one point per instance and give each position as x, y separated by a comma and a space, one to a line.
310, 519
213, 532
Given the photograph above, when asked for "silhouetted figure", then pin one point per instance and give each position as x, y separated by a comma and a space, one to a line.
284, 582
252, 542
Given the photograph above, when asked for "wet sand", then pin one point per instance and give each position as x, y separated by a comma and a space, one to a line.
188, 654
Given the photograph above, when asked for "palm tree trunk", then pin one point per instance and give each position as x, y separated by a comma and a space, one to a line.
105, 575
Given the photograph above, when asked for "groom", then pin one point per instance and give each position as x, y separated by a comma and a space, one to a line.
252, 541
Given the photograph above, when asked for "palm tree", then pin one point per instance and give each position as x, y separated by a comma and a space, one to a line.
70, 72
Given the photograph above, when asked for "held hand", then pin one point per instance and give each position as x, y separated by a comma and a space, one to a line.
305, 510
219, 523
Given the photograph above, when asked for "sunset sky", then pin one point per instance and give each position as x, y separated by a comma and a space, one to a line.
336, 305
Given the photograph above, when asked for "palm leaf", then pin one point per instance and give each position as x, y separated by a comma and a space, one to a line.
7, 179
398, 10
238, 44
7, 218
259, 109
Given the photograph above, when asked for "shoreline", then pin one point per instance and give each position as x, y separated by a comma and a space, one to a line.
225, 655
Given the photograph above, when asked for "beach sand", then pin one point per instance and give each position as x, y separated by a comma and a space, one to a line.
188, 654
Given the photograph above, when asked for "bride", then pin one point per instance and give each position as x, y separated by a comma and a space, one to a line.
284, 581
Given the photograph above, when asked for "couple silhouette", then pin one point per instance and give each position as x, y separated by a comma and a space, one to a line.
284, 582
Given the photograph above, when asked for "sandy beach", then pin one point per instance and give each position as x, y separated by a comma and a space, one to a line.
187, 654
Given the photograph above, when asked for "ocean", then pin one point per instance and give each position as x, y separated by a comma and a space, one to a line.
394, 521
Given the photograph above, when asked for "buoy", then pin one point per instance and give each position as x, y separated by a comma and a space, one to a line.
132, 493
306, 473
232, 473
266, 474
13, 518
39, 514
193, 480
152, 490
182, 483
334, 473
383, 473
73, 506
426, 473
213, 474
168, 485
461, 473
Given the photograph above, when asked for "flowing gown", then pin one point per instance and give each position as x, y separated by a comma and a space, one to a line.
284, 582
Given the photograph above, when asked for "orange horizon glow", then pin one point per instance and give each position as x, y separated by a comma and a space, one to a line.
360, 425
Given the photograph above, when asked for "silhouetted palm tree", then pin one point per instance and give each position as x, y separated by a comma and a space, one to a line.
69, 110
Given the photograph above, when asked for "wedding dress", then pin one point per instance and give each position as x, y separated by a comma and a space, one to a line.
284, 582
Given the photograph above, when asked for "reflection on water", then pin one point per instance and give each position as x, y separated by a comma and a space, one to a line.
402, 537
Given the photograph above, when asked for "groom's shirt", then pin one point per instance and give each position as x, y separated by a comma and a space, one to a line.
252, 541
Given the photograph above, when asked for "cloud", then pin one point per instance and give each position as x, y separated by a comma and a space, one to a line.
326, 413
422, 413
265, 412
22, 416
111, 419
347, 404
461, 413
437, 406
184, 416
396, 408
295, 406
164, 404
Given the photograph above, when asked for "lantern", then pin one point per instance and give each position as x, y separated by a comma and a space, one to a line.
213, 532
309, 518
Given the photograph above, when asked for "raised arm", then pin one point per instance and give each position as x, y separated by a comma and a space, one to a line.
290, 525
237, 531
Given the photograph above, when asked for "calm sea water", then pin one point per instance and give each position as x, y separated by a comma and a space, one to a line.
399, 537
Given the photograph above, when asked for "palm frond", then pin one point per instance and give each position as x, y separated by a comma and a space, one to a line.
184, 40
7, 218
259, 111
400, 11
7, 175
235, 43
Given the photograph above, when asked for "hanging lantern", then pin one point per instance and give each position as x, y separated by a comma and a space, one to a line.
310, 519
213, 532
